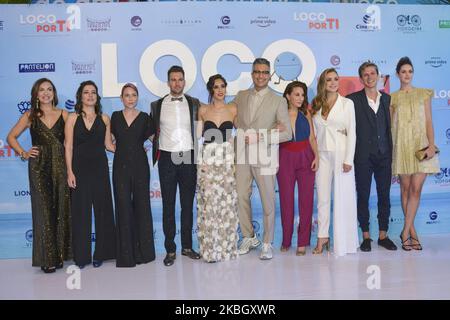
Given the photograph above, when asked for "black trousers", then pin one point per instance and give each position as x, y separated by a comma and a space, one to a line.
177, 169
378, 165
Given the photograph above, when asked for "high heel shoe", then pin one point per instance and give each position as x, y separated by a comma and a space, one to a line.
284, 249
48, 269
319, 251
416, 246
406, 247
300, 252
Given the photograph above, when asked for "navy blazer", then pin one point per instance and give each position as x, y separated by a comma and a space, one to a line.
155, 114
365, 124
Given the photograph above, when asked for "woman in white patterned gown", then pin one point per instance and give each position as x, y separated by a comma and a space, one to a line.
217, 215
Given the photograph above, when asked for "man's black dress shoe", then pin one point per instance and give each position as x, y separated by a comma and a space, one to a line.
365, 245
169, 259
190, 253
97, 263
387, 244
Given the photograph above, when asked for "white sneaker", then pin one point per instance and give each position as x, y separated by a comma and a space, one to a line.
266, 252
248, 243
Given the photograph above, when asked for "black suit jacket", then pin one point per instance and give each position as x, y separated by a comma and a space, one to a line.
155, 114
364, 125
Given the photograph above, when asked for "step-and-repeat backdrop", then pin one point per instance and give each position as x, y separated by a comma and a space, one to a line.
137, 42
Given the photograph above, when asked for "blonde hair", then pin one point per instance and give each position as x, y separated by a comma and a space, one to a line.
320, 100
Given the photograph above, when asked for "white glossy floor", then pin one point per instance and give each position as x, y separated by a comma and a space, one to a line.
403, 275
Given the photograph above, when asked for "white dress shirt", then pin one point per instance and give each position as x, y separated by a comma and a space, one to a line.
175, 126
375, 105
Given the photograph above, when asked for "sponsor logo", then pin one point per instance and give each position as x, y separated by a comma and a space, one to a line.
98, 25
29, 235
433, 218
397, 220
409, 23
335, 60
93, 237
444, 24
317, 21
443, 177
376, 61
136, 22
155, 191
436, 62
182, 21
21, 193
36, 67
371, 20
395, 180
23, 106
225, 23
2, 23
6, 152
447, 134
263, 21
70, 105
83, 67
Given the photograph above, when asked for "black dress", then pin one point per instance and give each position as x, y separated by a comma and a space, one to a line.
93, 189
50, 207
131, 179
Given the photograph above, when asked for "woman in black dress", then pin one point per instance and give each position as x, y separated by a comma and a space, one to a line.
87, 134
50, 208
131, 178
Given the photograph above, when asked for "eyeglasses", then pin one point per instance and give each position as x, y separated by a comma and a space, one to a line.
257, 72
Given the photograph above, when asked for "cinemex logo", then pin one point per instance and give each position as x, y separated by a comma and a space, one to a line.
263, 21
317, 21
70, 105
225, 23
182, 21
443, 177
409, 23
444, 24
371, 20
136, 22
37, 67
49, 23
436, 62
433, 218
83, 67
335, 60
98, 25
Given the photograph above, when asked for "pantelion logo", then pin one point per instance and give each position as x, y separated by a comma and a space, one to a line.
37, 67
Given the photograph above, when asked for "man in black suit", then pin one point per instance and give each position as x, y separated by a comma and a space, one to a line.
173, 117
373, 154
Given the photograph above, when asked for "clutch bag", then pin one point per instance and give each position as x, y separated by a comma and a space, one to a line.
421, 155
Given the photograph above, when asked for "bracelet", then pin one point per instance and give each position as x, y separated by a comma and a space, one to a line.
22, 157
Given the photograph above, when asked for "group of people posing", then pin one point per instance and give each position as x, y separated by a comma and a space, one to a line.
338, 143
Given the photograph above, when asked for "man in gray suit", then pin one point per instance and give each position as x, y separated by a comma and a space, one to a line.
260, 113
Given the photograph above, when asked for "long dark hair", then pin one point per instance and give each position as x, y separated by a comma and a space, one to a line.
35, 110
210, 85
288, 91
79, 105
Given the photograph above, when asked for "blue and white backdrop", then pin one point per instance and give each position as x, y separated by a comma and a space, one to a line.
117, 43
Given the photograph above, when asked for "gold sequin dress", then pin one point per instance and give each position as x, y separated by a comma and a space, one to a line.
50, 207
409, 132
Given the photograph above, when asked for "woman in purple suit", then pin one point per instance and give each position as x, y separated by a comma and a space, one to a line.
298, 163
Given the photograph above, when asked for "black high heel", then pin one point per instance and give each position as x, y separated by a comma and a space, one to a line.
406, 247
48, 269
417, 246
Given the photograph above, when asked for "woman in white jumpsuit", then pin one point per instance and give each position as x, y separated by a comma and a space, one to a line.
334, 122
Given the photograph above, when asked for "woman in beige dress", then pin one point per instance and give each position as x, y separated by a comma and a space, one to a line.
412, 130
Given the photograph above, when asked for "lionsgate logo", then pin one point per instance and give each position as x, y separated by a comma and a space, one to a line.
263, 21
83, 67
435, 62
36, 67
98, 25
409, 23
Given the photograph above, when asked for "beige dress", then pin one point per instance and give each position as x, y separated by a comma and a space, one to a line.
409, 132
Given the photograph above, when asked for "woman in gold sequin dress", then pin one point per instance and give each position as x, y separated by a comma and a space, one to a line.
50, 207
412, 129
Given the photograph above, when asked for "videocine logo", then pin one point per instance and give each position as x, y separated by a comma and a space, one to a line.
409, 23
36, 67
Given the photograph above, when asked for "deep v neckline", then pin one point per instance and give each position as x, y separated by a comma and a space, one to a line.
329, 112
54, 124
125, 119
84, 123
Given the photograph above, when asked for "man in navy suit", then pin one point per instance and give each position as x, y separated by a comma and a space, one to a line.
373, 154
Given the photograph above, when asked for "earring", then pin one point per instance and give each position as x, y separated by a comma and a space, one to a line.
37, 103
